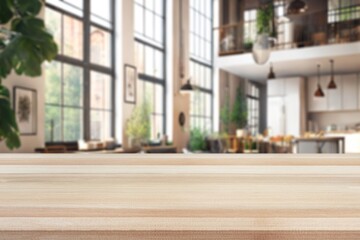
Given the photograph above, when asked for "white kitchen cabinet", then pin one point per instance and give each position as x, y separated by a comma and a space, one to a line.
349, 92
333, 96
316, 104
276, 88
344, 98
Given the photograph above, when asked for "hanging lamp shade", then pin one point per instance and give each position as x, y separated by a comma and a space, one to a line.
332, 84
272, 74
186, 88
319, 92
297, 7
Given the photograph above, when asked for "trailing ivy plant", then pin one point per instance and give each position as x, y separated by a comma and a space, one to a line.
265, 21
25, 44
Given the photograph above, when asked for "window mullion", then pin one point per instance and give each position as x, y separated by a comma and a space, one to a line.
87, 87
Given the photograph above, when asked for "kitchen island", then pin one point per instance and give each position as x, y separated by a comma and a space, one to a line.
179, 197
318, 145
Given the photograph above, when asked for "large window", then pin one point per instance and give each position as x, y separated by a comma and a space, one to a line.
150, 60
253, 104
343, 10
80, 82
201, 63
250, 29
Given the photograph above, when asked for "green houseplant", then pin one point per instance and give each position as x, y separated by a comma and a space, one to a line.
138, 126
265, 22
24, 45
197, 140
239, 114
225, 115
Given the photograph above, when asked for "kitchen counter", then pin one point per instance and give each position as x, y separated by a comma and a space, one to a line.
327, 144
179, 197
352, 140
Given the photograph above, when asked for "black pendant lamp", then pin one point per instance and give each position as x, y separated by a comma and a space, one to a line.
332, 84
319, 92
187, 87
297, 7
271, 75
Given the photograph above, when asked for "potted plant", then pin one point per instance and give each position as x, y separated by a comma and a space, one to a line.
197, 140
248, 45
138, 127
239, 114
24, 46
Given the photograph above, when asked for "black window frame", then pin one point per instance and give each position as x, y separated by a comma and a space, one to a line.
203, 63
142, 40
87, 66
256, 98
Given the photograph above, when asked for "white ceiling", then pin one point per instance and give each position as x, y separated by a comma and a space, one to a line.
295, 62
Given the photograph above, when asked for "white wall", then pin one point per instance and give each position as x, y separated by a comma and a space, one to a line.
29, 143
126, 33
181, 103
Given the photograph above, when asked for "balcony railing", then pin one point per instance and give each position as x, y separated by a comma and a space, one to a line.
313, 30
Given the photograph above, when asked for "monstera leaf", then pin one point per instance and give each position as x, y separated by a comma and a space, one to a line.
27, 46
8, 126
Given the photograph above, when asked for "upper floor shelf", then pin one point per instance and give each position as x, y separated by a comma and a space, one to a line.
327, 22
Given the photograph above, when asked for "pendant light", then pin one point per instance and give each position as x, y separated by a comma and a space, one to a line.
319, 92
332, 84
297, 7
187, 87
271, 75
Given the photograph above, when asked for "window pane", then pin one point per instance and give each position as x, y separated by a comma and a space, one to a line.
53, 24
73, 37
73, 122
158, 66
100, 91
139, 20
53, 127
73, 85
139, 57
149, 24
100, 125
149, 4
159, 7
72, 6
149, 61
158, 37
100, 46
156, 126
53, 83
100, 12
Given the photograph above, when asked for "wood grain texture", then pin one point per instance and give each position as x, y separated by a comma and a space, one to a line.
179, 197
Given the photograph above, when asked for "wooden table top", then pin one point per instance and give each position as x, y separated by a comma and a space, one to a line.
175, 195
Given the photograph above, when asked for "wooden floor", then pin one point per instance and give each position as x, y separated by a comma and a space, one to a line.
179, 197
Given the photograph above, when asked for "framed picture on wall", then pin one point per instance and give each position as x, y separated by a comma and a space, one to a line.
130, 78
25, 107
